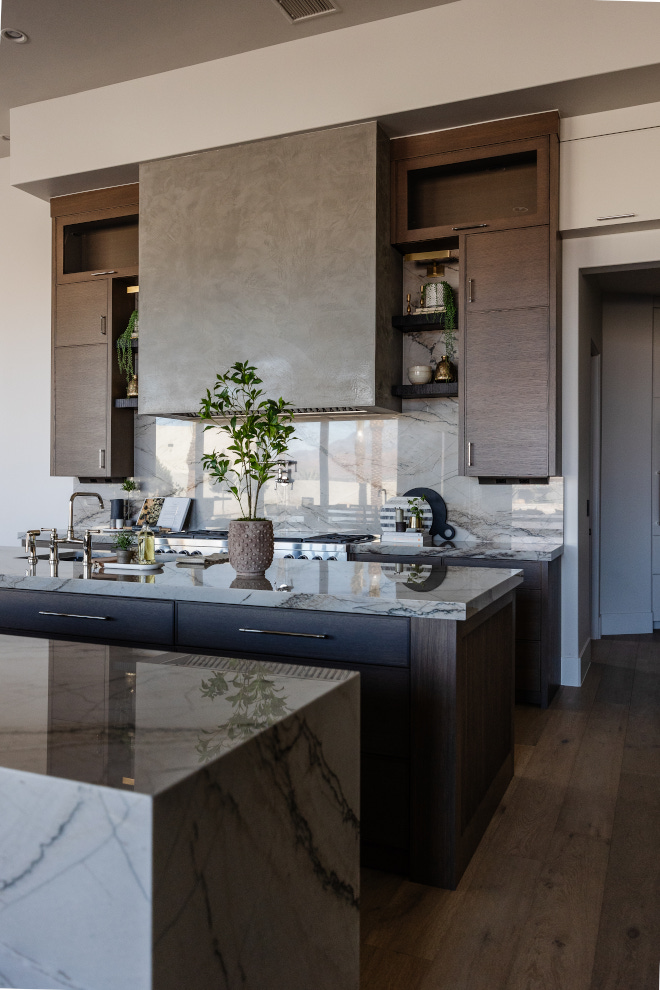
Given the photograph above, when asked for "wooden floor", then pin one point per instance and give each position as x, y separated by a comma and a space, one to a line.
563, 892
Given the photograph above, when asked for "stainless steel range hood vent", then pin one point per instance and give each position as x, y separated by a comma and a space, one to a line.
299, 10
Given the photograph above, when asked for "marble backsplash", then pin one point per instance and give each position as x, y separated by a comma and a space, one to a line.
344, 472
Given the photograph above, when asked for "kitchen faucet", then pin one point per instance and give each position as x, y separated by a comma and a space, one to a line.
69, 533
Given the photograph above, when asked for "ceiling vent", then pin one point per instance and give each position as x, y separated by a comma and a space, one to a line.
299, 10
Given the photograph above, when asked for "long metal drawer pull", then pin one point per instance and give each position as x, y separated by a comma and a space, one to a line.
470, 451
276, 632
470, 226
111, 271
618, 216
72, 615
470, 281
104, 328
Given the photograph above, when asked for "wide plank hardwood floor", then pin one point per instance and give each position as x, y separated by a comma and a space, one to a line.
563, 892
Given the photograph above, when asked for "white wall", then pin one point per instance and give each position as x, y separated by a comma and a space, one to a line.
29, 497
449, 54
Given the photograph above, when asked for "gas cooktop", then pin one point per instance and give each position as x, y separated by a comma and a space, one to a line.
323, 546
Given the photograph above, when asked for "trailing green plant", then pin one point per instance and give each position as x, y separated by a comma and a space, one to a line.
125, 348
123, 541
258, 429
129, 485
449, 322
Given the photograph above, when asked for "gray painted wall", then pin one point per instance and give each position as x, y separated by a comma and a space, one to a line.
627, 390
276, 252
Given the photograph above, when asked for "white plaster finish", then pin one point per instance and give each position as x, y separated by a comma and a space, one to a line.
238, 841
322, 586
503, 550
346, 471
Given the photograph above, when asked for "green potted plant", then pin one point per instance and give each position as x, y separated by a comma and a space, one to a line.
445, 370
125, 349
416, 510
259, 432
124, 543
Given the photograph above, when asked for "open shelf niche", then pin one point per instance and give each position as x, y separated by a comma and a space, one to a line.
423, 333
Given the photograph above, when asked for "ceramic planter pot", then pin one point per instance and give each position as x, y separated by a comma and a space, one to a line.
124, 556
250, 545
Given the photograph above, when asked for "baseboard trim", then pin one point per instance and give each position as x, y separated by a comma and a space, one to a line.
574, 669
625, 623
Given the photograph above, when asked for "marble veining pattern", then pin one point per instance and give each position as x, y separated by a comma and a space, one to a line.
324, 586
505, 550
345, 472
228, 853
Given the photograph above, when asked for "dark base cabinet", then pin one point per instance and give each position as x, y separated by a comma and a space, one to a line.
437, 717
90, 618
436, 710
538, 619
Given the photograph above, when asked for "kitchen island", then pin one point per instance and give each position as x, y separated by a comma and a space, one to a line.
433, 647
168, 825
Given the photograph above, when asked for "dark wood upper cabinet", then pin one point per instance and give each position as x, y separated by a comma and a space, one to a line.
491, 191
94, 261
507, 269
96, 234
490, 188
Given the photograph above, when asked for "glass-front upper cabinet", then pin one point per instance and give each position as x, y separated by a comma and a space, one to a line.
99, 243
488, 188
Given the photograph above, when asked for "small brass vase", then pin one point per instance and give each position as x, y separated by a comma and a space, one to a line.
132, 388
444, 372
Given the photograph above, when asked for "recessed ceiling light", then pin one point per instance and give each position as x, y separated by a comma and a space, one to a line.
11, 34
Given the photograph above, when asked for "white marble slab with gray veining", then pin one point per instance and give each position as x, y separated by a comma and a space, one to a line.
541, 550
167, 825
324, 586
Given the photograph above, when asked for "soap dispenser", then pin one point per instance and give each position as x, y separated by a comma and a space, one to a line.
146, 545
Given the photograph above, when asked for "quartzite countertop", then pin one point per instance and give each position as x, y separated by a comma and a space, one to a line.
324, 586
502, 549
166, 825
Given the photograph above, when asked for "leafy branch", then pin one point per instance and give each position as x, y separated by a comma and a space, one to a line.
450, 319
258, 430
125, 348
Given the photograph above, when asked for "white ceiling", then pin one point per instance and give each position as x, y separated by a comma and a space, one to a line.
77, 45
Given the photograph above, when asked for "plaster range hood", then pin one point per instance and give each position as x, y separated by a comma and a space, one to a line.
276, 252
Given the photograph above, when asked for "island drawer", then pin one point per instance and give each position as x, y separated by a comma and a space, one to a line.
88, 616
293, 633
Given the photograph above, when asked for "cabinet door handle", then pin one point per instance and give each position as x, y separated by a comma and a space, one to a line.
72, 615
101, 457
470, 453
470, 226
470, 289
104, 325
276, 632
617, 216
112, 271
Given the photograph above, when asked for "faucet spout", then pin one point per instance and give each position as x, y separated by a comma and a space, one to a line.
69, 532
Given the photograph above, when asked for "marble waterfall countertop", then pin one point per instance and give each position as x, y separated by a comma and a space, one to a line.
149, 796
502, 549
330, 586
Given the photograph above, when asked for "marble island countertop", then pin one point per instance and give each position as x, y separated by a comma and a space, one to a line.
502, 549
334, 586
145, 798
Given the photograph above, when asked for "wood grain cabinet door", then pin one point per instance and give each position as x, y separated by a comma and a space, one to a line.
507, 269
507, 393
81, 313
80, 410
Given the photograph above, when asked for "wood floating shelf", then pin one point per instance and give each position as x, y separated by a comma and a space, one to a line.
132, 402
421, 321
438, 389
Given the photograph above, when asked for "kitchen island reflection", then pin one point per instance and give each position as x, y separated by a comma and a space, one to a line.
171, 820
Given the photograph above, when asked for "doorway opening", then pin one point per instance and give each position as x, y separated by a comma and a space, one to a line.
623, 503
